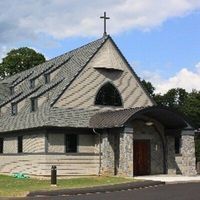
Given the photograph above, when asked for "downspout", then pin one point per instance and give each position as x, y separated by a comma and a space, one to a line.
99, 134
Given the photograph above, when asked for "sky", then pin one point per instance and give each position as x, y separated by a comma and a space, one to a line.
159, 38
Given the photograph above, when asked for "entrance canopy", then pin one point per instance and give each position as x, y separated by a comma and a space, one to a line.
166, 116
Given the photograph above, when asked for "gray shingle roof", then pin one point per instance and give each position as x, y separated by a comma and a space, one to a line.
68, 65
10, 98
110, 119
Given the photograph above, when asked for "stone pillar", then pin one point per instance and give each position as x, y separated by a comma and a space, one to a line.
188, 167
171, 163
126, 152
107, 158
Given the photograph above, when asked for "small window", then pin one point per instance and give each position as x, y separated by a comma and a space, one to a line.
71, 143
34, 104
32, 83
47, 78
1, 145
177, 144
20, 144
12, 90
14, 109
108, 95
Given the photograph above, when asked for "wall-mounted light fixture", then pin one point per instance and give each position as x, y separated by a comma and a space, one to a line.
149, 123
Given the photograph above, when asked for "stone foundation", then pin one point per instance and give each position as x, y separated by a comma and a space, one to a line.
107, 158
187, 162
126, 153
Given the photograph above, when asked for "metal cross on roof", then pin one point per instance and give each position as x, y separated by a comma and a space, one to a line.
105, 18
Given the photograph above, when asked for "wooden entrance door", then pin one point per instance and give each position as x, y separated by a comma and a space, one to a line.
141, 157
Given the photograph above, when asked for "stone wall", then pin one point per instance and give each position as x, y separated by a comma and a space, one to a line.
126, 153
107, 158
187, 160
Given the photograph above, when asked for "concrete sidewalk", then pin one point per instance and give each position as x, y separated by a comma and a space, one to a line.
170, 178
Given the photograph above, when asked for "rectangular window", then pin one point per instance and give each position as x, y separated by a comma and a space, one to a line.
34, 104
1, 145
177, 144
71, 143
12, 90
20, 144
47, 78
14, 109
32, 83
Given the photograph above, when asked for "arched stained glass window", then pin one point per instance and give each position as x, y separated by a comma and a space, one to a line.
108, 95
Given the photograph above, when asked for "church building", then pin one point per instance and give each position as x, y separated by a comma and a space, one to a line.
87, 112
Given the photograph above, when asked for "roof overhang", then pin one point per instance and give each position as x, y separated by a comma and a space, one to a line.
169, 118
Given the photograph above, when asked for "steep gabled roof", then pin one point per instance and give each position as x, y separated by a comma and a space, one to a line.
68, 65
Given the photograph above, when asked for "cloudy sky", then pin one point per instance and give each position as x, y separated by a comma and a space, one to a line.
159, 38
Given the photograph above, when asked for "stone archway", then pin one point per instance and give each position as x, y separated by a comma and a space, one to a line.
170, 120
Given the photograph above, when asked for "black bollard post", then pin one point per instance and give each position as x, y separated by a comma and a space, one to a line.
53, 175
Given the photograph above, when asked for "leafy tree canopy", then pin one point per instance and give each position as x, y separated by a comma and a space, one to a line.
18, 60
191, 107
179, 99
149, 87
174, 98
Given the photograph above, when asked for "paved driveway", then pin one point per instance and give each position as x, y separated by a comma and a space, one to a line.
184, 191
170, 178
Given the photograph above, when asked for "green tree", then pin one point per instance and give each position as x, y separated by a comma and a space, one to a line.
191, 107
187, 103
174, 98
18, 60
149, 87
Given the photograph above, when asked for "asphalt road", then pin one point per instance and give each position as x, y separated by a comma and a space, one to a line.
189, 191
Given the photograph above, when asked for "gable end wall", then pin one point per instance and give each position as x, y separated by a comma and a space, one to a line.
81, 93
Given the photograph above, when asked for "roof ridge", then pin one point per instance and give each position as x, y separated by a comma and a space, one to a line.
79, 71
68, 52
50, 60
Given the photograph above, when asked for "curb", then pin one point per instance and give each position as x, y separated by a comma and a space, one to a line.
99, 189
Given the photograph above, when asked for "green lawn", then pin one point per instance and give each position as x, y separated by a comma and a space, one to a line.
10, 186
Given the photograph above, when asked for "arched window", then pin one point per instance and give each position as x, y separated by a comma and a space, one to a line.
108, 95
